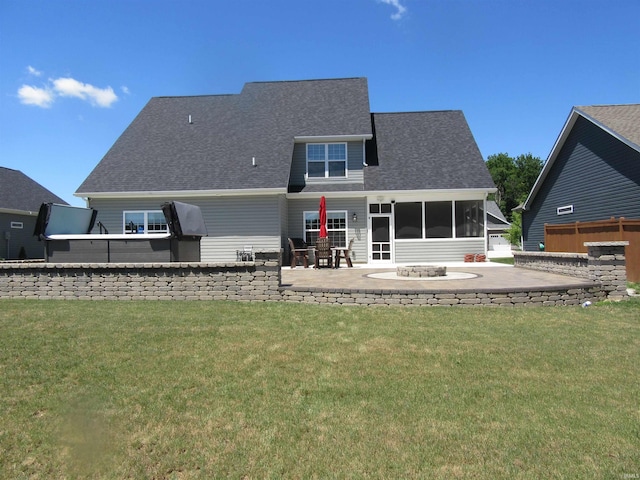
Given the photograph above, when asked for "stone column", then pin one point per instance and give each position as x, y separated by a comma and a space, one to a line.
607, 265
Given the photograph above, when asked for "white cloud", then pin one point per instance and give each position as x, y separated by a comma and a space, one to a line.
46, 95
401, 9
33, 71
70, 87
125, 90
40, 97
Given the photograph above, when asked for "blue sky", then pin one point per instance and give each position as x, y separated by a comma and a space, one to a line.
74, 74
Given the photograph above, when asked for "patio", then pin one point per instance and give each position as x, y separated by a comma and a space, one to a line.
461, 277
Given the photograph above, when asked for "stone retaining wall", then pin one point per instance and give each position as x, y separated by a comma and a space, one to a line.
571, 295
571, 264
604, 263
260, 280
245, 281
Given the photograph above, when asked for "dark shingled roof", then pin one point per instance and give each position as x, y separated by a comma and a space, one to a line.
425, 150
19, 192
162, 151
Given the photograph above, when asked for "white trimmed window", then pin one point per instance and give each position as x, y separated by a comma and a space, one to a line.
336, 227
17, 225
566, 210
325, 160
144, 221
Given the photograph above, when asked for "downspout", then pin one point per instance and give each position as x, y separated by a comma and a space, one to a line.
364, 153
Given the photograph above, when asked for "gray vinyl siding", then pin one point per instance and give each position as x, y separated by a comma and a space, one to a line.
355, 172
596, 173
232, 222
356, 230
433, 251
19, 237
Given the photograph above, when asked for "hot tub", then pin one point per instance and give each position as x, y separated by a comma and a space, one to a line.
66, 231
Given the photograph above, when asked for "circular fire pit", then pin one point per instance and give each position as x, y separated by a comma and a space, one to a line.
422, 271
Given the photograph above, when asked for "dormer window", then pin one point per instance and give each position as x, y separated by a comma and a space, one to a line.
325, 160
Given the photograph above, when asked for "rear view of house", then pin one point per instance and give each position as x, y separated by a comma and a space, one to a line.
405, 187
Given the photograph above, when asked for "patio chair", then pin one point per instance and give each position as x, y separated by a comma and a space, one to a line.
346, 254
323, 252
245, 255
298, 251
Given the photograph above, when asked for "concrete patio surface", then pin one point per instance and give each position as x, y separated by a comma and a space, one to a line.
485, 277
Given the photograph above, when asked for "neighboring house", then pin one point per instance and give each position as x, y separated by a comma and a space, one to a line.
20, 200
497, 226
408, 187
592, 173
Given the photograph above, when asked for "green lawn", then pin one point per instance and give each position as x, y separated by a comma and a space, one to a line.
203, 390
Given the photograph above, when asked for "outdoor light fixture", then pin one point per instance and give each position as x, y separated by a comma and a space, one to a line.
355, 217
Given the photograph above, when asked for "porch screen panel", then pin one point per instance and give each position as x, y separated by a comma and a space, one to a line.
408, 220
469, 219
439, 219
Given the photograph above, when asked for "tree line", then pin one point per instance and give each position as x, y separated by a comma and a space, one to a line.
514, 178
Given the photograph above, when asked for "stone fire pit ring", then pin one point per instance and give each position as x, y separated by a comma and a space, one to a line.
422, 271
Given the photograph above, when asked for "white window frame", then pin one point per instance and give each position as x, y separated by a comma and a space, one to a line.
565, 210
145, 224
314, 214
327, 160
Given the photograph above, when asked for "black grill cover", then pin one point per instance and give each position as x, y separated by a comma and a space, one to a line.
184, 220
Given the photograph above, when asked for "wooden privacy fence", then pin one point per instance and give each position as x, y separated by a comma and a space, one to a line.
570, 237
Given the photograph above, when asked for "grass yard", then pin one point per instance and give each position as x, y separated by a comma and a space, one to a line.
184, 390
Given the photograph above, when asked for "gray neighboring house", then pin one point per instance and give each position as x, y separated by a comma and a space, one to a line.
592, 173
497, 225
407, 187
20, 200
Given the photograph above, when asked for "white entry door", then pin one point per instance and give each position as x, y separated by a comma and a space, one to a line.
380, 222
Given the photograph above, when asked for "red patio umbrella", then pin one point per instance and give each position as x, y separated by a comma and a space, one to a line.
323, 217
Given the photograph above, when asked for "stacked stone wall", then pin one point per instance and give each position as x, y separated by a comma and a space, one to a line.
244, 281
571, 264
570, 295
607, 266
604, 263
260, 280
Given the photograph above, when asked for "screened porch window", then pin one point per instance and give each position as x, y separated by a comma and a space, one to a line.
336, 228
421, 220
144, 221
438, 219
469, 219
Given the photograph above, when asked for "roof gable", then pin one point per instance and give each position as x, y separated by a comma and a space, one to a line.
209, 143
622, 122
21, 193
425, 150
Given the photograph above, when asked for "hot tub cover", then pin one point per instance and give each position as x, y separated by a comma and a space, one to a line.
57, 219
184, 220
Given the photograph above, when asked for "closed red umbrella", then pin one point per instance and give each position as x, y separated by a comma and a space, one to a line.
323, 217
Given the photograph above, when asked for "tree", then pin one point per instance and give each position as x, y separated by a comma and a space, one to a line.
514, 179
514, 232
